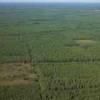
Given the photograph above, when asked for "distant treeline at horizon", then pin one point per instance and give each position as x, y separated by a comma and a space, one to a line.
50, 5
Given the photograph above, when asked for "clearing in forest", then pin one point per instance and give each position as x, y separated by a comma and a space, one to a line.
85, 42
16, 73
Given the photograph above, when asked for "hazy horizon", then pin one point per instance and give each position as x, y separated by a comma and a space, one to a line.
51, 1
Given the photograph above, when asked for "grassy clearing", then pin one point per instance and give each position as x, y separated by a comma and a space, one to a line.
85, 41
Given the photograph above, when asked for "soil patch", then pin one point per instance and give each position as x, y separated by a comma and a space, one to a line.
16, 73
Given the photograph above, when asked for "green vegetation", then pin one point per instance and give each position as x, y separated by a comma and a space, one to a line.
49, 54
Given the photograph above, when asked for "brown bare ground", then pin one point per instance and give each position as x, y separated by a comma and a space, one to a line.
16, 73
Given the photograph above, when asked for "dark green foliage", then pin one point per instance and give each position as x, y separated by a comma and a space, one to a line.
47, 38
20, 92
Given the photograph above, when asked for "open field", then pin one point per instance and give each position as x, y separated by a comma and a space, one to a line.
49, 54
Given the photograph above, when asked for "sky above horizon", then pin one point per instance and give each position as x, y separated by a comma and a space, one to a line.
49, 0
